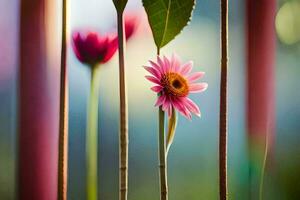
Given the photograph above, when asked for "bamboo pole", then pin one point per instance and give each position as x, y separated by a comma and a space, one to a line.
123, 112
223, 103
38, 124
261, 49
63, 112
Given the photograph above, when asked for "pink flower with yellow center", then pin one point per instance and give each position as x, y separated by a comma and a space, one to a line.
173, 83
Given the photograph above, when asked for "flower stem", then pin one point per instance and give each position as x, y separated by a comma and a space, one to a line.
92, 137
162, 153
63, 112
223, 103
162, 156
263, 168
123, 156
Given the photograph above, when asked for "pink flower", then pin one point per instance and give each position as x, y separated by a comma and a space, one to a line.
131, 24
173, 83
92, 48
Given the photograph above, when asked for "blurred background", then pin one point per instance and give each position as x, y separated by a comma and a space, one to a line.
193, 157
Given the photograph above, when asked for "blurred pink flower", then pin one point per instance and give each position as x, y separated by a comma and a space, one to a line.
173, 83
131, 24
92, 48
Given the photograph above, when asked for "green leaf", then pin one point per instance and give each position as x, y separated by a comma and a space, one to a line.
167, 18
120, 5
171, 129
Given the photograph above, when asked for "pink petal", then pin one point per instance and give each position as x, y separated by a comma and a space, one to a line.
187, 68
182, 109
167, 64
192, 107
111, 48
161, 64
165, 105
77, 46
153, 71
175, 62
94, 48
156, 66
153, 79
172, 63
157, 88
131, 22
195, 76
178, 107
198, 87
187, 113
160, 100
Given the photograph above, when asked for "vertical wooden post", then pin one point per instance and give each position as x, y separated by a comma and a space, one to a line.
123, 162
223, 132
63, 112
260, 83
38, 123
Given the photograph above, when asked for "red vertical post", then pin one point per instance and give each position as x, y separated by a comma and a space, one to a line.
38, 123
261, 51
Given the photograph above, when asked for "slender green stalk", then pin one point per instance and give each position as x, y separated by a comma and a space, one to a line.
63, 113
263, 168
92, 137
162, 156
123, 157
162, 153
172, 124
223, 103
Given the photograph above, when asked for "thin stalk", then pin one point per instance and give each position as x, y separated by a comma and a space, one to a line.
162, 153
263, 168
63, 113
162, 156
123, 154
223, 103
92, 137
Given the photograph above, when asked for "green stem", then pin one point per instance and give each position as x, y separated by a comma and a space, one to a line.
263, 169
123, 157
92, 137
162, 153
162, 156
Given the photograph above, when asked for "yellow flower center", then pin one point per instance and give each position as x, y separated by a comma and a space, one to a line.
175, 84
